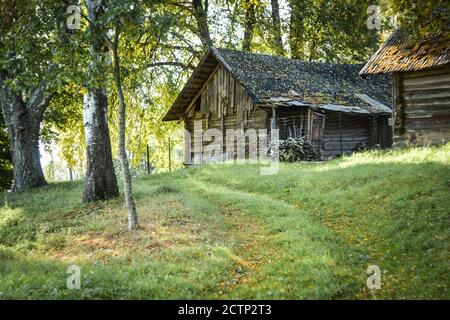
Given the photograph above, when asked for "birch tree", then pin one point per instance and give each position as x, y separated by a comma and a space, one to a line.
100, 181
113, 17
126, 175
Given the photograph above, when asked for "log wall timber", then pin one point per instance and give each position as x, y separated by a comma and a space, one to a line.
423, 106
368, 130
355, 130
223, 95
224, 104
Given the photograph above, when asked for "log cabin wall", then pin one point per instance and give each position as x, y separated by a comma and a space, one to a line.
343, 132
422, 104
368, 130
224, 104
324, 130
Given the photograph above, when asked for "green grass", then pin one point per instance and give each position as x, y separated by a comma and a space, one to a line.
308, 232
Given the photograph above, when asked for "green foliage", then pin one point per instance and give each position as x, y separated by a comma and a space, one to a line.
148, 91
64, 125
31, 41
334, 31
34, 41
214, 232
421, 18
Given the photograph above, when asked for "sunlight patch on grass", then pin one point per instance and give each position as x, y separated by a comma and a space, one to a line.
412, 155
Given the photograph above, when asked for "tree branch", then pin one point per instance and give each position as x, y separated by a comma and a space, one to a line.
108, 41
190, 49
40, 99
169, 63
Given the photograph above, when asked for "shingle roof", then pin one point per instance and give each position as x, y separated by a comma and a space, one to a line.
400, 54
267, 77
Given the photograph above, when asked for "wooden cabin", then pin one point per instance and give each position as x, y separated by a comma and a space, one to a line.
421, 86
329, 104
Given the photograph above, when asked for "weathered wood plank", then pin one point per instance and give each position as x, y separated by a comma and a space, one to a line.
190, 106
428, 80
424, 73
444, 85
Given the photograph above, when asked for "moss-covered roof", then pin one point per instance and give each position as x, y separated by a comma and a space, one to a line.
401, 53
266, 77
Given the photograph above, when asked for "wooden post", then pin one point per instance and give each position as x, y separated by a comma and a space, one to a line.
293, 125
222, 129
340, 134
273, 124
308, 125
170, 156
374, 130
302, 118
148, 160
398, 108
322, 142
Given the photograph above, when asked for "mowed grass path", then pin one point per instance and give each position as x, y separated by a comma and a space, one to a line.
308, 232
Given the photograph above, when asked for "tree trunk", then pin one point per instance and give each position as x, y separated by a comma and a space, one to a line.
100, 181
129, 201
250, 21
276, 25
24, 141
6, 171
23, 122
296, 29
23, 116
200, 13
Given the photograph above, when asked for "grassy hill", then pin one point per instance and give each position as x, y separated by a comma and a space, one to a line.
309, 231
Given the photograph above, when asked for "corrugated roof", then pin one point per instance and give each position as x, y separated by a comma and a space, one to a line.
333, 107
266, 77
370, 106
400, 54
